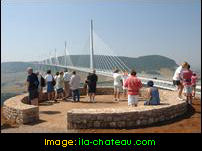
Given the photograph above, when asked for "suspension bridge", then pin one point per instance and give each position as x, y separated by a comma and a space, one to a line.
102, 59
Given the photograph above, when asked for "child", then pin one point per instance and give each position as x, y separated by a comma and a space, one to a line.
193, 83
186, 79
153, 94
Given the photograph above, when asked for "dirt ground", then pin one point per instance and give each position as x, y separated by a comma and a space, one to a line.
53, 118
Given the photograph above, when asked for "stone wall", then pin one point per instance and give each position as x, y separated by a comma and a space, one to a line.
123, 118
16, 110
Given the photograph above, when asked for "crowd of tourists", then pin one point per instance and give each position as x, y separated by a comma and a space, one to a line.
65, 85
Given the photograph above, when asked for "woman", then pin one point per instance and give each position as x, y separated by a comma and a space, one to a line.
50, 85
153, 94
177, 80
59, 86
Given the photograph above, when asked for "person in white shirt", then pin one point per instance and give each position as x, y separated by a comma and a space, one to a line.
75, 85
117, 85
50, 86
67, 78
177, 80
59, 86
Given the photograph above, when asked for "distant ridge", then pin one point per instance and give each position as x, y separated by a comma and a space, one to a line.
149, 64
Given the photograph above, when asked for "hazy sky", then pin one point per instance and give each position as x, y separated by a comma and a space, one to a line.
31, 29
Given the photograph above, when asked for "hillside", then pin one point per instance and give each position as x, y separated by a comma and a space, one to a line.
150, 64
13, 74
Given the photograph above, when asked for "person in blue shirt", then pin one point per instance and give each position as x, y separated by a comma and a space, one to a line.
153, 94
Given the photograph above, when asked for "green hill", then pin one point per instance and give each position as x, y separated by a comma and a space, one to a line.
149, 64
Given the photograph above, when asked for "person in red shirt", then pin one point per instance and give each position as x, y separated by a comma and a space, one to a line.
186, 79
193, 83
133, 84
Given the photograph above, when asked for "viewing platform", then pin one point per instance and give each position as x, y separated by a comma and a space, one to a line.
67, 116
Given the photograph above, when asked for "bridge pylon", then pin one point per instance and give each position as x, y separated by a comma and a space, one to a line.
91, 46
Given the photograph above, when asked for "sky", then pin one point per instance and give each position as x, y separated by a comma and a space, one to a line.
32, 29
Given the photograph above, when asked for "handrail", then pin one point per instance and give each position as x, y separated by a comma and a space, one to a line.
158, 83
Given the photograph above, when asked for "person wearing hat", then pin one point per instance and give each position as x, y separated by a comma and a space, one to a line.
153, 94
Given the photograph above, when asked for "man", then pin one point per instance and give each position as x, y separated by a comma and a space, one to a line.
117, 85
66, 77
92, 82
74, 85
133, 84
32, 86
177, 81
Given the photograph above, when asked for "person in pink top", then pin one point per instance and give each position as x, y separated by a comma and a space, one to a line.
133, 84
186, 79
193, 83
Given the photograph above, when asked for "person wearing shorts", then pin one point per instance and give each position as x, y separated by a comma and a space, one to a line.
134, 85
177, 81
50, 88
59, 86
117, 85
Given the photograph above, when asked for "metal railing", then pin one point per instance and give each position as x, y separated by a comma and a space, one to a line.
158, 83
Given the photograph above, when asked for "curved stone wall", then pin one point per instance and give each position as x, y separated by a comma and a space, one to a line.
17, 110
123, 118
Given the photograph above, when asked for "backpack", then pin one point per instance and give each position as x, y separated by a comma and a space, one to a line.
43, 83
36, 82
53, 82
